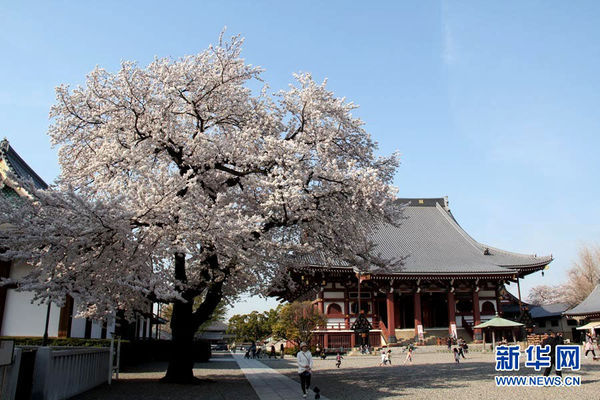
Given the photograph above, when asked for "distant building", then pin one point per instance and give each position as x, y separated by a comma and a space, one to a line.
550, 317
449, 282
18, 316
215, 333
587, 313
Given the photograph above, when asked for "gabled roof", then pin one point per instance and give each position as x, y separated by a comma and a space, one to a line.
216, 326
498, 322
18, 166
433, 243
589, 306
548, 310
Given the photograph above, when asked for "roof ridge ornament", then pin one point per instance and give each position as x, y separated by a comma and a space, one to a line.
4, 145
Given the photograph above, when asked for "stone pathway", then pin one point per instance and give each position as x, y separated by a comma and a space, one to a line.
268, 383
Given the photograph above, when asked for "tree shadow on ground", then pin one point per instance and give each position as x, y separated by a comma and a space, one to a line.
223, 380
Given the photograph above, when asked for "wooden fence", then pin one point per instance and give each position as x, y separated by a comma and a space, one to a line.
63, 373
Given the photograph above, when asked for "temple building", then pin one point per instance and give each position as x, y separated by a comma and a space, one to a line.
447, 284
588, 312
18, 315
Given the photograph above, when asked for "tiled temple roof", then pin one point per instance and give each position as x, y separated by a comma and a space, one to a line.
432, 242
589, 306
18, 166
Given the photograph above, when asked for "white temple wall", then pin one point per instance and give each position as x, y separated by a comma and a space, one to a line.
21, 317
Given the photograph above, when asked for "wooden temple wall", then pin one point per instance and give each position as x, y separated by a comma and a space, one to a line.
395, 314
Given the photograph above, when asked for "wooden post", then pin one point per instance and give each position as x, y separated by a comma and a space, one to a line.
476, 315
320, 303
451, 312
391, 318
483, 333
417, 309
519, 290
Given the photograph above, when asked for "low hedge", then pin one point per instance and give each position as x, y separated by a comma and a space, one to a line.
132, 352
59, 342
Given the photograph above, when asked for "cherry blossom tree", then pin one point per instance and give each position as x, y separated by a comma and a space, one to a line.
182, 185
544, 294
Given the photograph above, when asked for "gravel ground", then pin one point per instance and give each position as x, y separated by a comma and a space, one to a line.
142, 383
433, 376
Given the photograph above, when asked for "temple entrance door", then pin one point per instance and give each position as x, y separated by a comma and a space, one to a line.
435, 310
361, 339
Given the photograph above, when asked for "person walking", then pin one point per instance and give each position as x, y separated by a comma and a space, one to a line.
305, 366
589, 345
552, 341
383, 357
461, 349
449, 343
389, 357
281, 350
272, 353
409, 351
456, 356
338, 360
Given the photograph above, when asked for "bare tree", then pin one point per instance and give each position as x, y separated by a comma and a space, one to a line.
583, 277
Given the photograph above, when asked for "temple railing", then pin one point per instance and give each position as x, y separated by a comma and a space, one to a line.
335, 326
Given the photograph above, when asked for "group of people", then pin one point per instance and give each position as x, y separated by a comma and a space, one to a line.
386, 355
459, 350
255, 351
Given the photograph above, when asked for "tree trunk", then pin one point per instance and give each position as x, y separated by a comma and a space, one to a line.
184, 324
181, 364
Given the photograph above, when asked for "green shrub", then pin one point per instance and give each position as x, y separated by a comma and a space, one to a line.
132, 352
58, 342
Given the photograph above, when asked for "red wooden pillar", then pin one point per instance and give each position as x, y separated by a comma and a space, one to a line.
476, 315
346, 310
320, 303
325, 341
451, 311
417, 303
391, 318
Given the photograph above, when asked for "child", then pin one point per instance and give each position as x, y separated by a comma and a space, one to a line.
383, 357
409, 348
338, 360
456, 356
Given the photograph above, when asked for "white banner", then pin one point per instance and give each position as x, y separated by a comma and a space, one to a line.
453, 330
420, 332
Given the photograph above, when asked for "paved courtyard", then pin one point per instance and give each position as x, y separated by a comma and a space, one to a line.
431, 376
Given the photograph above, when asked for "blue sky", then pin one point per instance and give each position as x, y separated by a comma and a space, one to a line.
494, 104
